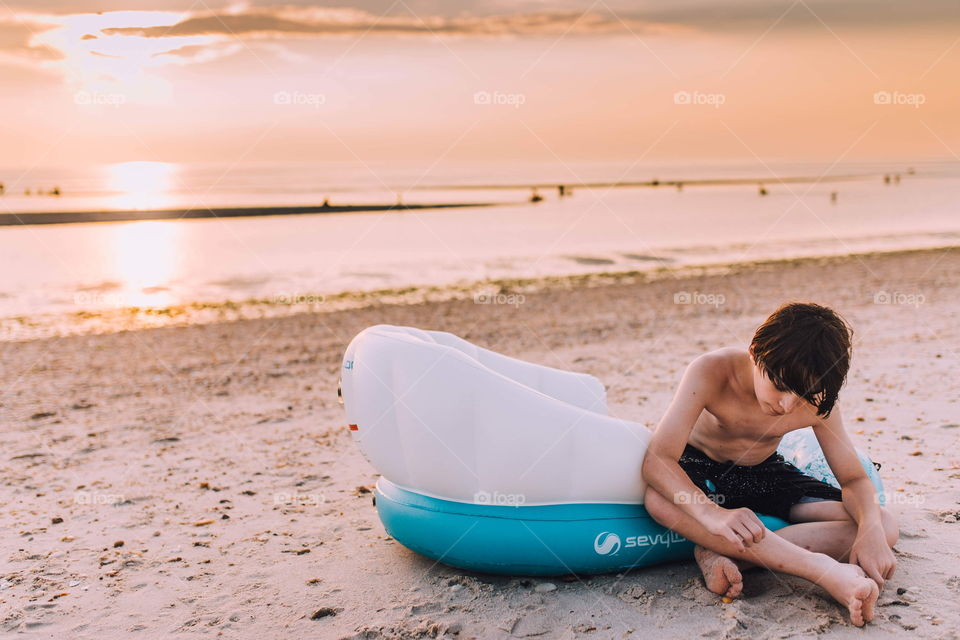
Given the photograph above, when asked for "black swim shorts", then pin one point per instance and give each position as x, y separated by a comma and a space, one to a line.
771, 487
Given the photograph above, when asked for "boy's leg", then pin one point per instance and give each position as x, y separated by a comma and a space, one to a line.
846, 583
822, 527
833, 538
840, 540
819, 529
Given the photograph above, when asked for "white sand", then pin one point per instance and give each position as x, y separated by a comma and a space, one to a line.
216, 455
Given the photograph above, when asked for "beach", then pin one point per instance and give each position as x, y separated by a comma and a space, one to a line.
200, 480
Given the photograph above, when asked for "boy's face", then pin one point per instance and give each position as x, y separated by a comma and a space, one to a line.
773, 401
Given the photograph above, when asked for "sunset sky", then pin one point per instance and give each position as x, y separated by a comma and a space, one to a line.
406, 80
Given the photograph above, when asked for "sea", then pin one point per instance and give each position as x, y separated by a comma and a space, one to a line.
725, 211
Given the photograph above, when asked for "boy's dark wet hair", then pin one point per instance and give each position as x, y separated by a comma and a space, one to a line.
805, 348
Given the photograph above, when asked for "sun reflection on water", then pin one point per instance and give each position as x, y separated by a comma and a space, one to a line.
141, 185
145, 258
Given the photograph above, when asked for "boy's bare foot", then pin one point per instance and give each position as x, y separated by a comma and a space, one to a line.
719, 572
851, 587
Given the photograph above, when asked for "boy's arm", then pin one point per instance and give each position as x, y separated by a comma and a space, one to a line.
870, 549
664, 475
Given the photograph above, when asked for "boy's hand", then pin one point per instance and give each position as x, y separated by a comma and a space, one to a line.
740, 527
873, 554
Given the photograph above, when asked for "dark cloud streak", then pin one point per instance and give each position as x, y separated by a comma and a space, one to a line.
319, 23
708, 14
735, 15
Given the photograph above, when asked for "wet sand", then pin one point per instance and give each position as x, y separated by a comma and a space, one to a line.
199, 479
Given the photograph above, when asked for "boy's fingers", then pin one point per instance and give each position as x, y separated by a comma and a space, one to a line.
874, 574
735, 539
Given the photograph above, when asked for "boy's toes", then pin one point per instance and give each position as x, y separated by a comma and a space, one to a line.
717, 584
734, 578
856, 612
870, 602
863, 601
720, 573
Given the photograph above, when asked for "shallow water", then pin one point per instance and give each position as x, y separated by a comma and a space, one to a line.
63, 269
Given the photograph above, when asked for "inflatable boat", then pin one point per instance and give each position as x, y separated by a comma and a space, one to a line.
497, 465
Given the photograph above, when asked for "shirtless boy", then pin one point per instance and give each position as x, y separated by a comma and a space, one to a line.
712, 465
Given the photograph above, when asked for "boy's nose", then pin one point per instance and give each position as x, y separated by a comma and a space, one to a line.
789, 402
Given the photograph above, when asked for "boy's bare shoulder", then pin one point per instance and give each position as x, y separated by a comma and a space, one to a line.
720, 363
714, 370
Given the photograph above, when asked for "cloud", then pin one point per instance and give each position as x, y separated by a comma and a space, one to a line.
67, 7
266, 22
739, 15
200, 52
16, 39
186, 51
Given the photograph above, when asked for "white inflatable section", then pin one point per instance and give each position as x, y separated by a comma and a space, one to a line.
438, 415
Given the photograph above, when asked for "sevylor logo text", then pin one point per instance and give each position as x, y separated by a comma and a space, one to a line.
607, 543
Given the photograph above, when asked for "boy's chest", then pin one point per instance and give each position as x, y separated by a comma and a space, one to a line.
736, 422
